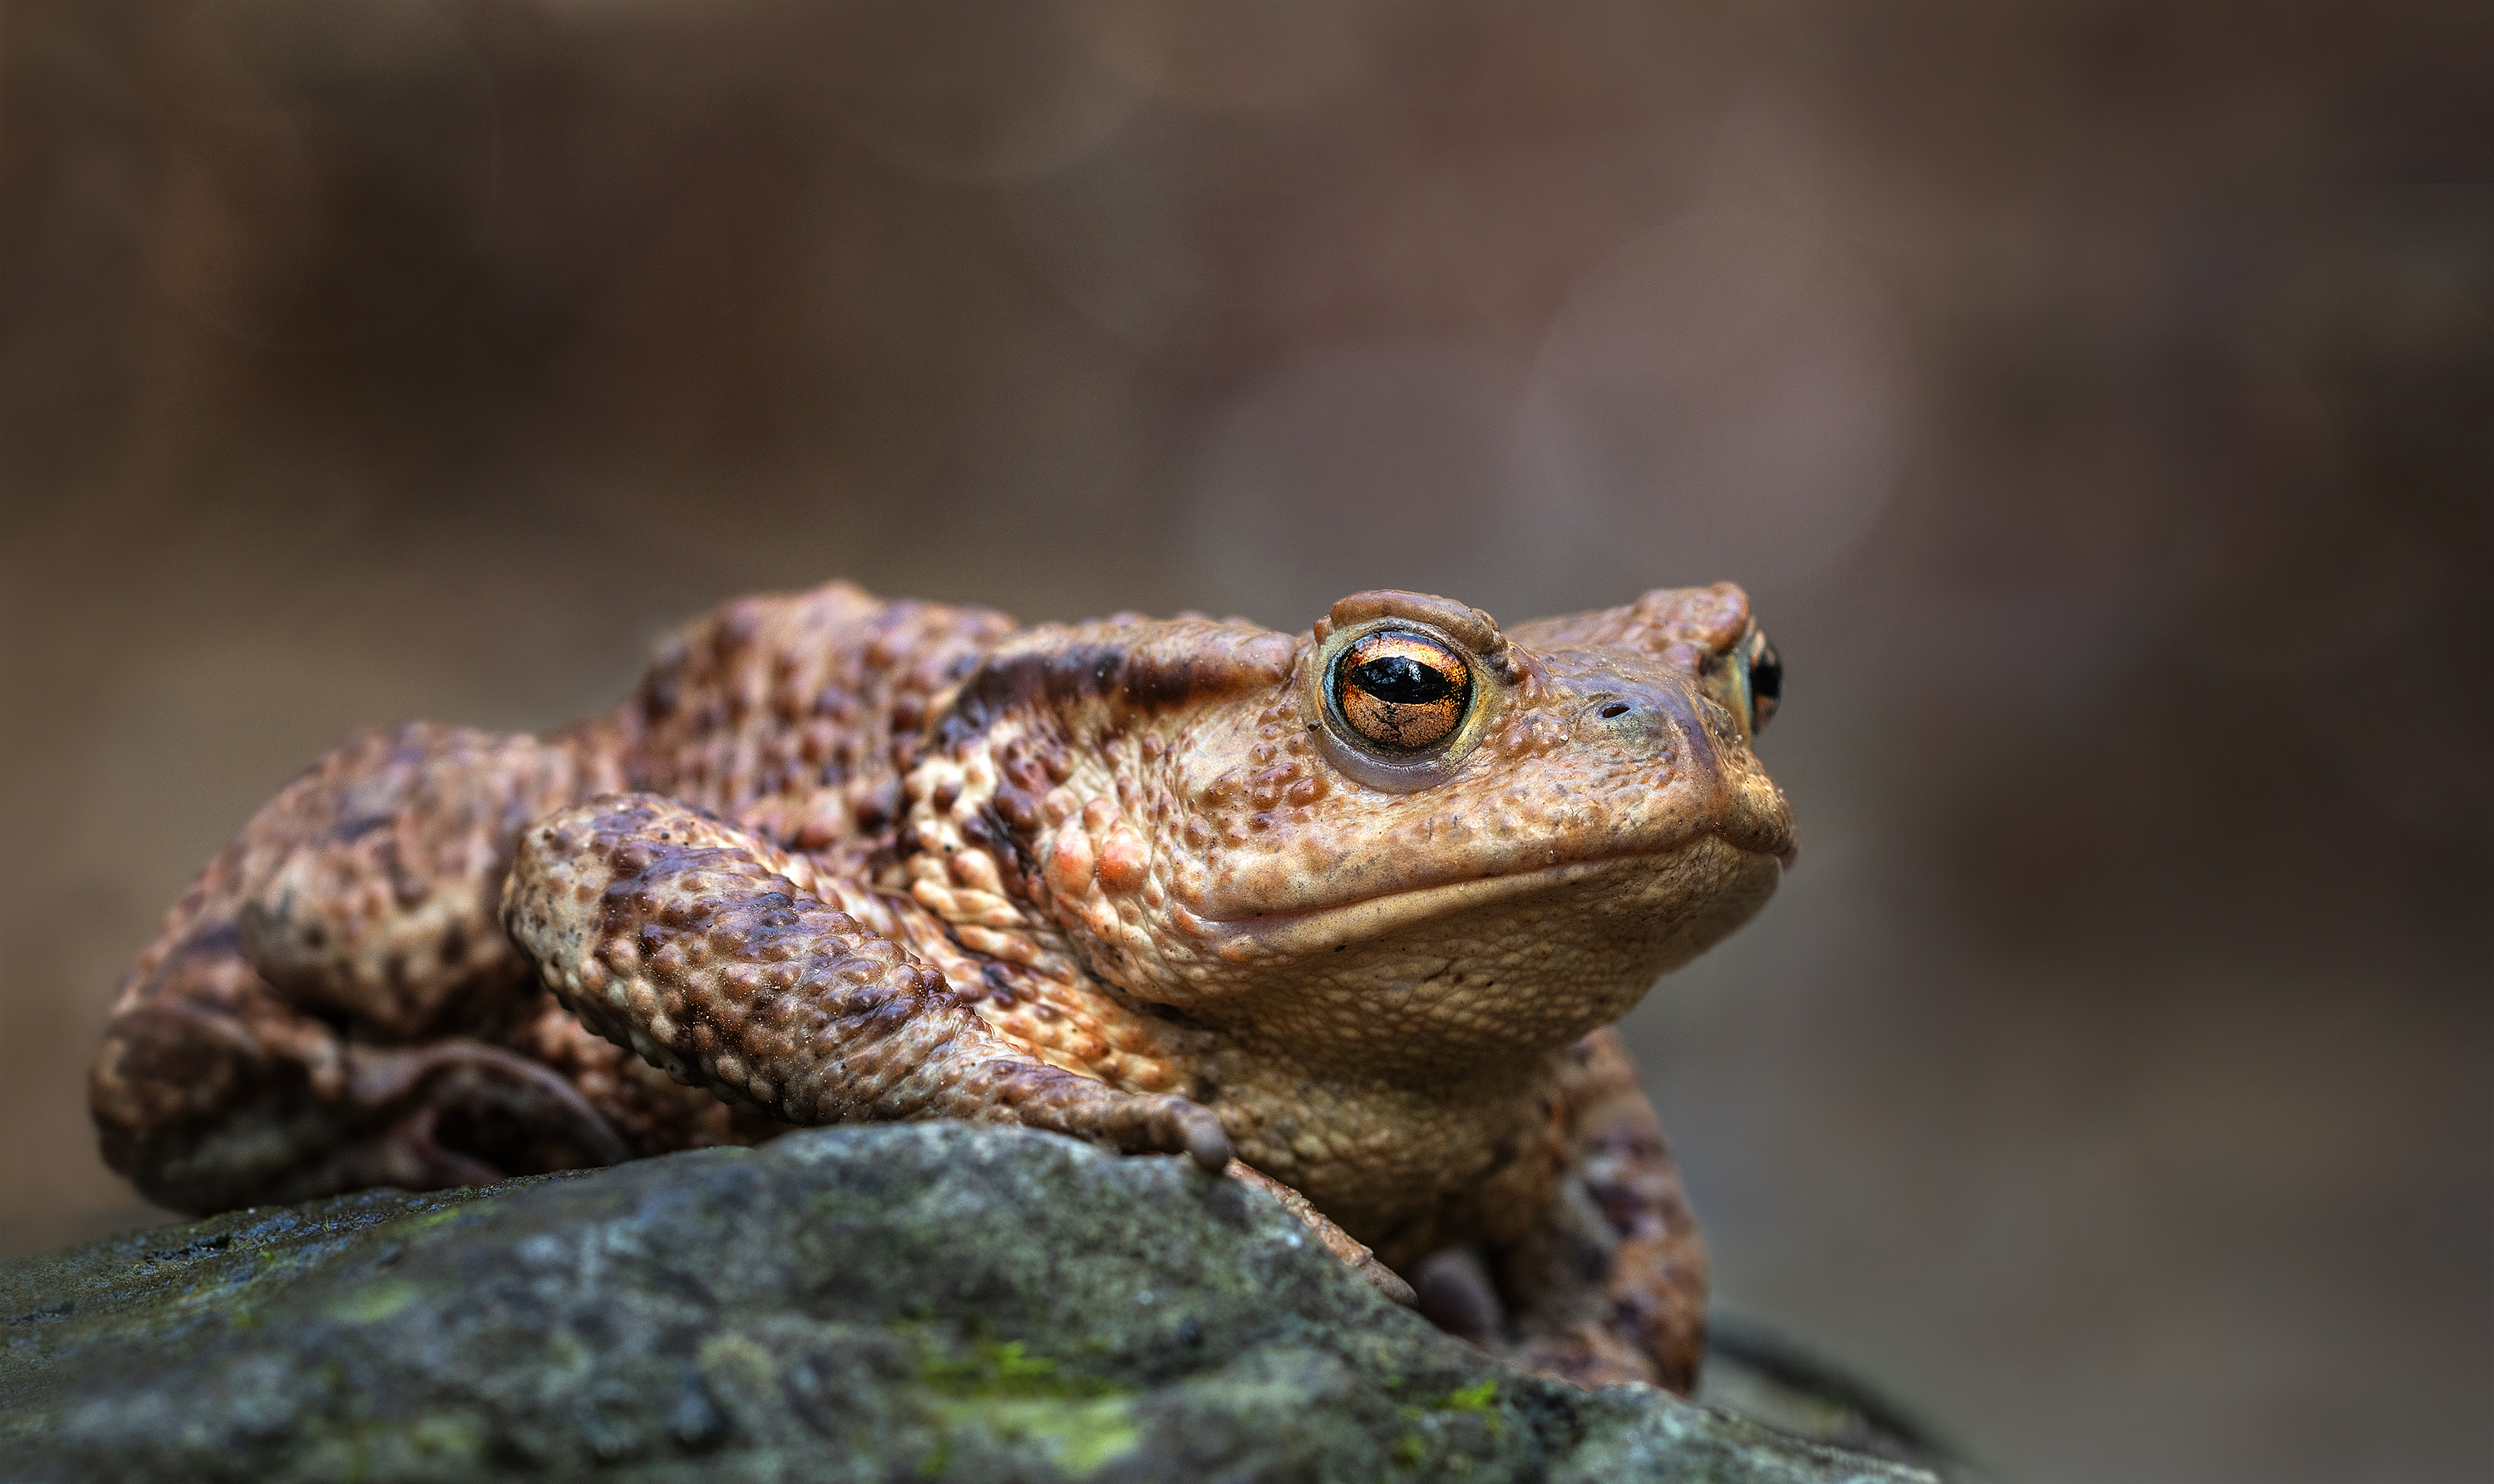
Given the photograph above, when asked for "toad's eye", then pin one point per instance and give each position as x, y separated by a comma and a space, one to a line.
1766, 682
1399, 691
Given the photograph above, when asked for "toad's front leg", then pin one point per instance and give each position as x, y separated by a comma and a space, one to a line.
682, 937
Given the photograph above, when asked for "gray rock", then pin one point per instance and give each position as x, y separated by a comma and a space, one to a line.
886, 1303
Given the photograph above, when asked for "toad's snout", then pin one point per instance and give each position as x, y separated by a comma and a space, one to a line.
1658, 724
1678, 744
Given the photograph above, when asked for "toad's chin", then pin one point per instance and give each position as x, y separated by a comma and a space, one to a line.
1707, 886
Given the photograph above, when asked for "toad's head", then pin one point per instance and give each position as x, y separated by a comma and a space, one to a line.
1404, 840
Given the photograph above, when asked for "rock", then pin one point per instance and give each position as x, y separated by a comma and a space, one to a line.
901, 1302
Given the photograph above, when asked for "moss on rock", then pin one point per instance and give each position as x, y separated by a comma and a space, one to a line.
928, 1301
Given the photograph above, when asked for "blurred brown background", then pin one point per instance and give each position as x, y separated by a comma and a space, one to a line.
2094, 397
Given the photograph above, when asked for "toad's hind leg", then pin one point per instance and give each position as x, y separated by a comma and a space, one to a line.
684, 937
322, 1007
1610, 1284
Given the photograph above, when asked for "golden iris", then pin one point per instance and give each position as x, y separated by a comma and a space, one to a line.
1402, 691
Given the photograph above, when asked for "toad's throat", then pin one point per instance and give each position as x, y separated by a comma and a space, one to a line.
1320, 928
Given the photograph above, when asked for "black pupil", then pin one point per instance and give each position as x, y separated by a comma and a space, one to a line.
1767, 674
1399, 679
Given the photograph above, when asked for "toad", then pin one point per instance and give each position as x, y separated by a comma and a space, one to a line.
1345, 914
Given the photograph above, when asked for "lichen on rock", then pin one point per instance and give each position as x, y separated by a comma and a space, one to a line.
903, 1301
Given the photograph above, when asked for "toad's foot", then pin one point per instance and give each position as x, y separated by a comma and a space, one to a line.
212, 1091
465, 1113
680, 936
454, 1113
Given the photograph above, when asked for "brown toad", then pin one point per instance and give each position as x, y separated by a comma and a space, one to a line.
1354, 905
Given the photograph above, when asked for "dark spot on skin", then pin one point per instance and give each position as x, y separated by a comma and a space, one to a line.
1210, 664
661, 691
347, 832
218, 939
1623, 1209
1154, 687
1017, 839
1019, 806
1019, 682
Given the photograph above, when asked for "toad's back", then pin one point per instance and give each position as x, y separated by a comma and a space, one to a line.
798, 715
291, 1014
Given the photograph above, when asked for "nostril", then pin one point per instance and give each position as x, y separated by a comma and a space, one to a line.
1615, 709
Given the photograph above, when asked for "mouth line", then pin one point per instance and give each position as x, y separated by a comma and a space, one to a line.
1305, 928
1565, 870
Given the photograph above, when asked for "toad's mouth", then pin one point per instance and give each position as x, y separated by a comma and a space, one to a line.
1704, 866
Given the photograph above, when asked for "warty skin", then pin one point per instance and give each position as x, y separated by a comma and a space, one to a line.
1343, 913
